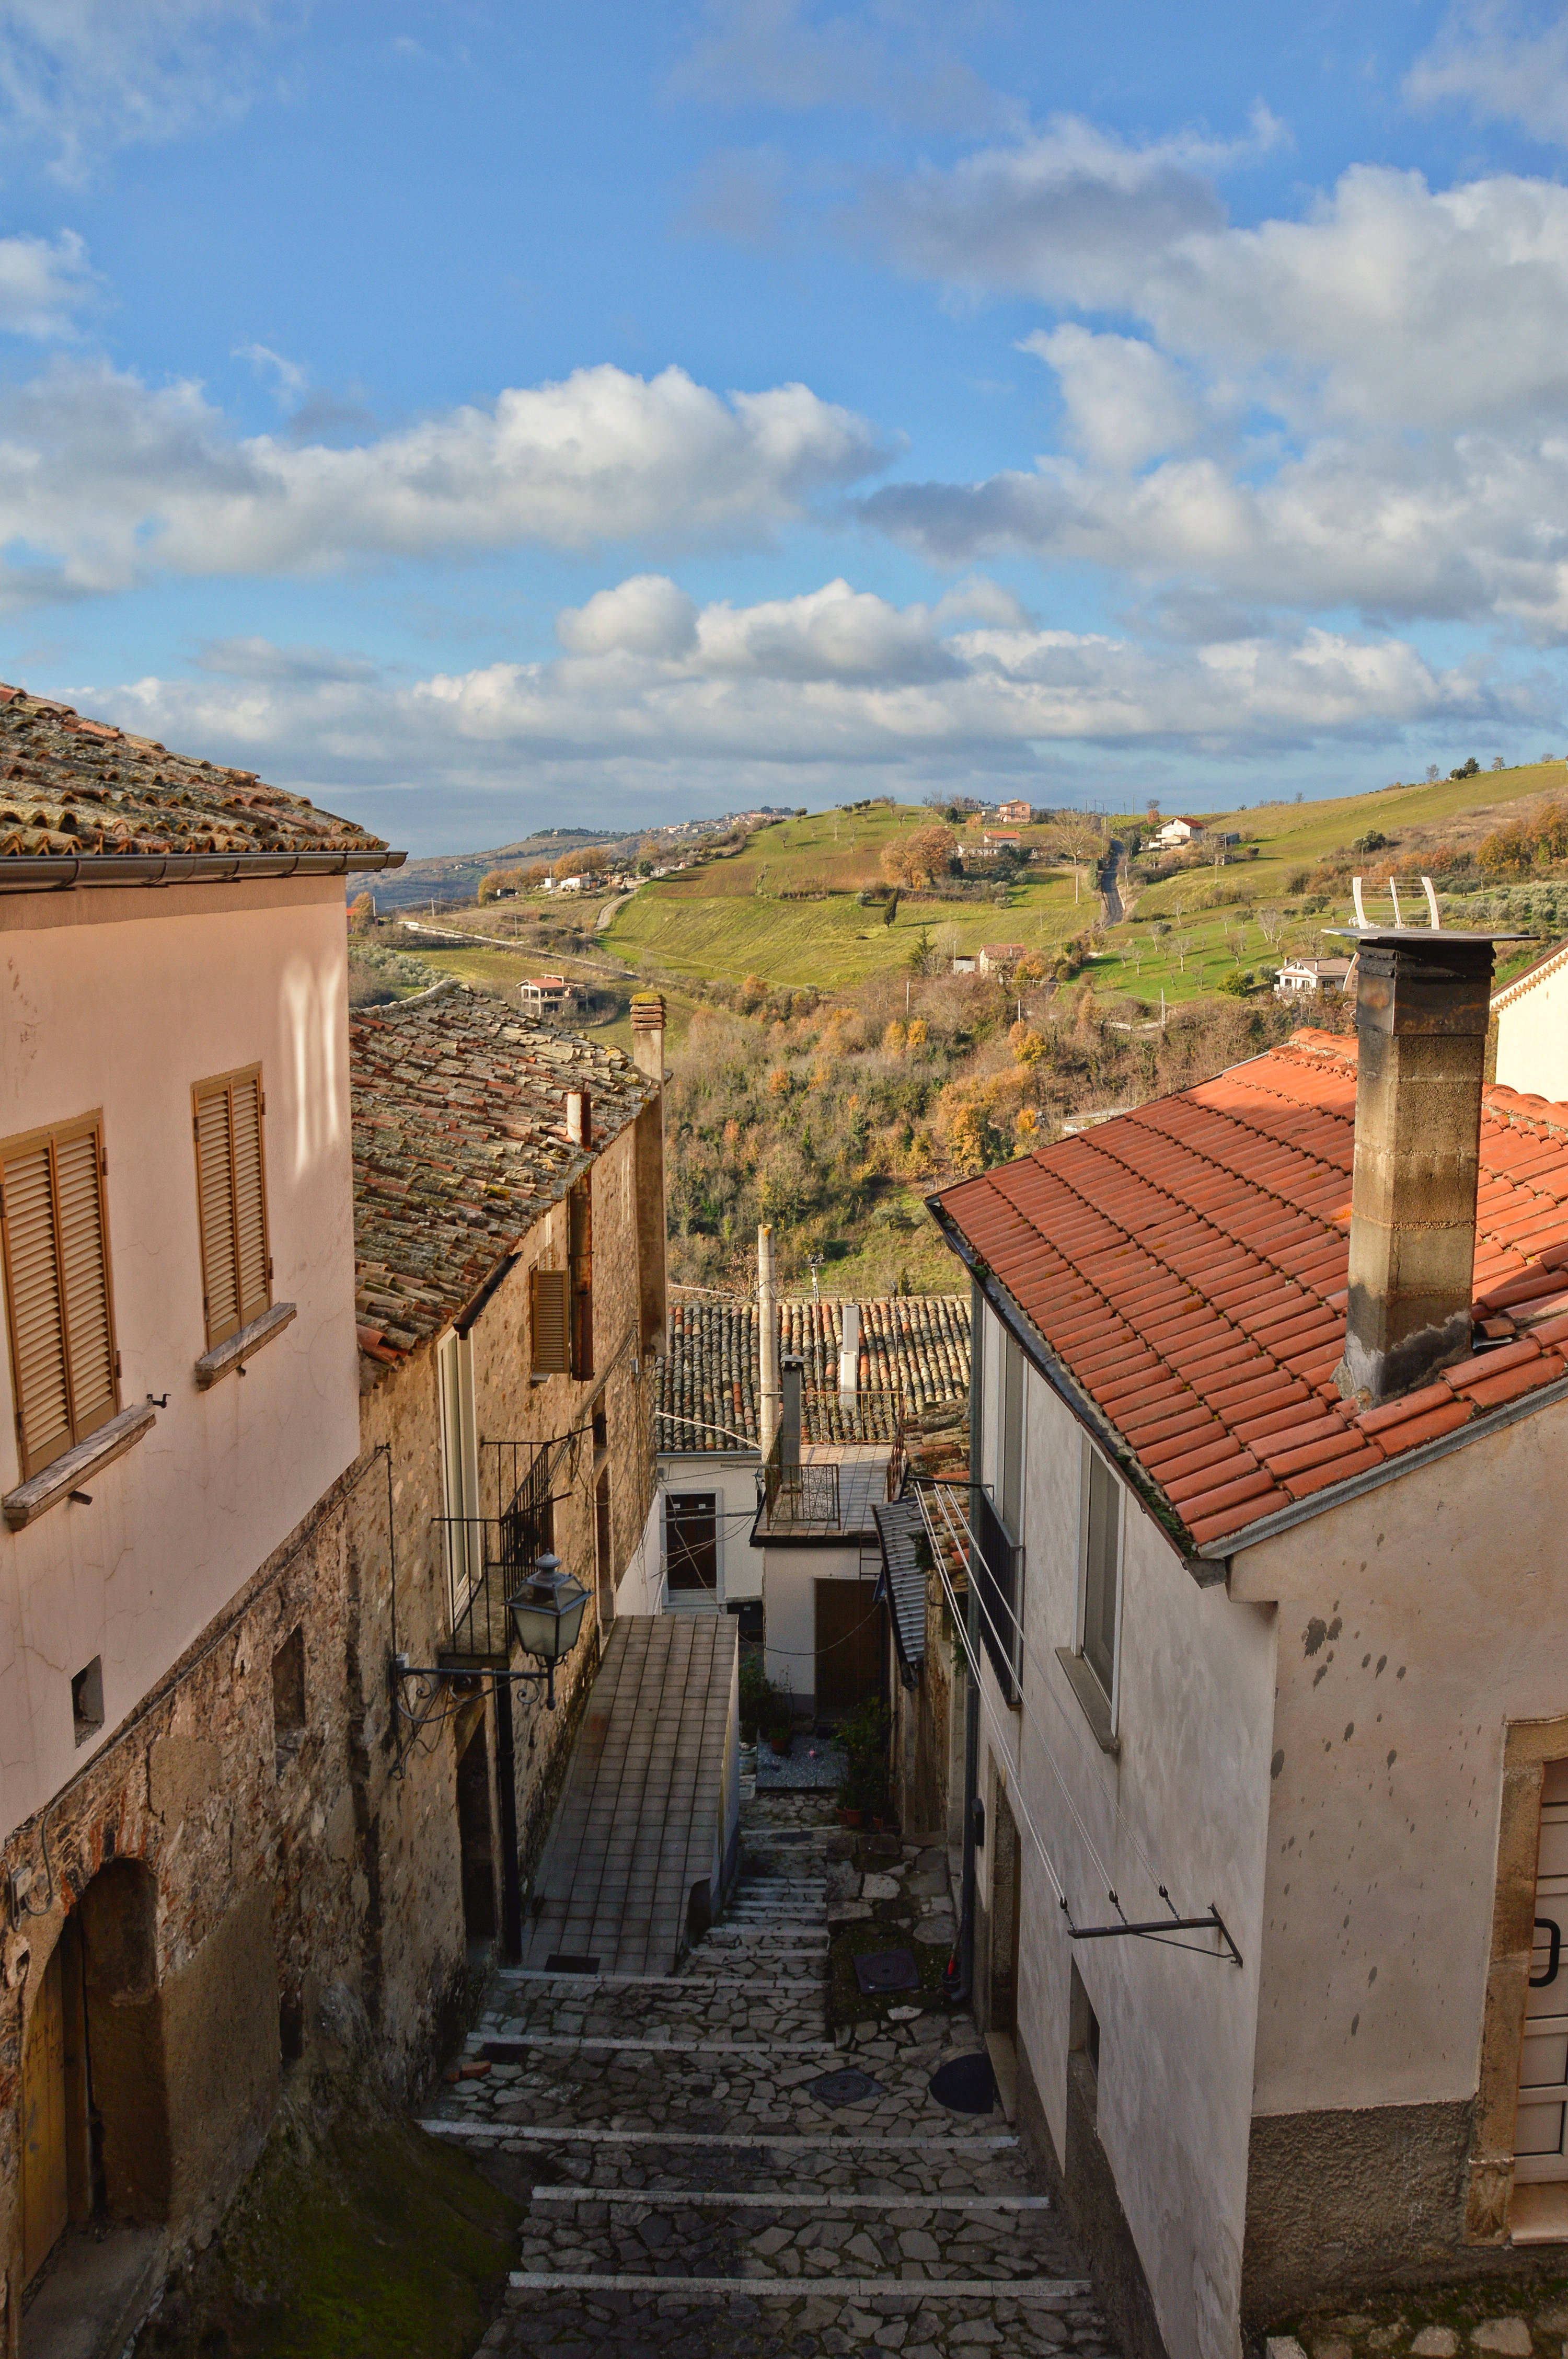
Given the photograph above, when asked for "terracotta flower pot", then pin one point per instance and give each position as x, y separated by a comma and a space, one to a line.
849, 1817
781, 1745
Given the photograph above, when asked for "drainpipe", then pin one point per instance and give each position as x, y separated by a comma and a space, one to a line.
768, 1324
507, 1789
959, 1991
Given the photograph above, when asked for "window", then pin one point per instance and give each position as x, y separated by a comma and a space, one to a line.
579, 1216
87, 1701
231, 1194
691, 1540
64, 1367
548, 1322
1101, 1587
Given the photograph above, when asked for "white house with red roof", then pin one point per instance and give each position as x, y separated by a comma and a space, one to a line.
1268, 1598
1532, 1017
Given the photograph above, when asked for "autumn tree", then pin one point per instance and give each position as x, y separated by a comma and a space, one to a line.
916, 861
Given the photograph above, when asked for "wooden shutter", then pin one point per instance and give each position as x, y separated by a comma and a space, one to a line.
547, 1300
57, 1287
230, 1188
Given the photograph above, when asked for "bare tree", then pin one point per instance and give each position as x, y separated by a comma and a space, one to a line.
1269, 921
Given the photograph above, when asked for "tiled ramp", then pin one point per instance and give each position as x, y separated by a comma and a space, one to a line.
647, 1837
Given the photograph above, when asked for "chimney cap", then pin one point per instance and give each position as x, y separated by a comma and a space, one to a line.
1406, 938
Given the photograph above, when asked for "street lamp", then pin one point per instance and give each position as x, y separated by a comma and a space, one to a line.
547, 1616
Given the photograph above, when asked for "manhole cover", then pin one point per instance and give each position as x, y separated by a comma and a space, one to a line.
887, 1970
966, 2085
846, 2088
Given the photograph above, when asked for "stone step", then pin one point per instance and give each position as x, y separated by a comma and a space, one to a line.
487, 2043
675, 1982
1056, 2293
826, 2142
801, 2198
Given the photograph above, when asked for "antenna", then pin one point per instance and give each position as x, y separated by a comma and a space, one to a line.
1394, 897
1431, 903
1356, 896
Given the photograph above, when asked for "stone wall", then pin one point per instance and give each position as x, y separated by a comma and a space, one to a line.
243, 1852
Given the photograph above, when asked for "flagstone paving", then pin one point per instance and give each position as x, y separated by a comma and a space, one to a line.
692, 2191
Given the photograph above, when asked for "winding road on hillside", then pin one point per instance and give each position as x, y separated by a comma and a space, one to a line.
1105, 876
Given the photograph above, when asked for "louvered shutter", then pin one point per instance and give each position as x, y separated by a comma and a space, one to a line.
37, 1324
249, 1199
547, 1294
236, 1273
57, 1287
84, 1283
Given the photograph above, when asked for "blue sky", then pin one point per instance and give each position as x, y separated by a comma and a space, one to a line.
485, 416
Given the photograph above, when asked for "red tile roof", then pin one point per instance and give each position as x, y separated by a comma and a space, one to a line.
1186, 1263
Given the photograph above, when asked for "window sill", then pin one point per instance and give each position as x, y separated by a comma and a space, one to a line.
217, 1364
1091, 1697
46, 1489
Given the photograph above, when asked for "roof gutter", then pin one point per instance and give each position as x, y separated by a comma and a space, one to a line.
60, 872
1203, 1568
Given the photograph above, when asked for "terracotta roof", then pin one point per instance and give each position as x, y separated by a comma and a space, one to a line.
1550, 963
1186, 1265
71, 786
460, 1145
915, 1344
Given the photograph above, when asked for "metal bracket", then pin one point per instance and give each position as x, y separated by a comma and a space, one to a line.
1159, 1929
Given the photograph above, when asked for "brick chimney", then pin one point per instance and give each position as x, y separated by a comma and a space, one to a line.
1421, 1019
648, 1034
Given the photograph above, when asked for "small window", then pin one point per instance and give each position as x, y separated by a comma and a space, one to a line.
579, 1216
288, 1699
548, 1322
87, 1701
64, 1367
691, 1540
1102, 1570
231, 1195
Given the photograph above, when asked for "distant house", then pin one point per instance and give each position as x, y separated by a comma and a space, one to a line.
1312, 975
765, 1541
571, 884
965, 963
1015, 814
542, 992
1178, 831
1532, 1034
994, 956
1000, 839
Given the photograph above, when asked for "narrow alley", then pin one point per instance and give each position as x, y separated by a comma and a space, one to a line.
708, 2168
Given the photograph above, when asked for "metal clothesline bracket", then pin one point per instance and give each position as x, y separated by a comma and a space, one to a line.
1156, 1929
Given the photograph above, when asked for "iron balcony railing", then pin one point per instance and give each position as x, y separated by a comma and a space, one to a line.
962, 1522
796, 1496
484, 1565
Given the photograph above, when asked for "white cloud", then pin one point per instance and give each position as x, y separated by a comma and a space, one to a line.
833, 683
1125, 403
84, 77
893, 56
43, 283
289, 379
1494, 59
106, 482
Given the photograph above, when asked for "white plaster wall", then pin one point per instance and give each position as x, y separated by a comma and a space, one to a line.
1414, 1623
733, 1481
1189, 1796
121, 1000
1532, 1039
790, 1576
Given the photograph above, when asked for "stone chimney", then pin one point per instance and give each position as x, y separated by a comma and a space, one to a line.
849, 1354
648, 1034
768, 1339
1421, 1019
648, 1056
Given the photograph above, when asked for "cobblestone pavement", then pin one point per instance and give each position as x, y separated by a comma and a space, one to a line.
1493, 2321
691, 2193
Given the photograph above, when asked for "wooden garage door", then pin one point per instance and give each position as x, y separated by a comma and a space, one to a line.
43, 2123
849, 1645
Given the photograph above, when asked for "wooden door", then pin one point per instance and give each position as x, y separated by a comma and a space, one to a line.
1540, 2145
44, 2194
849, 1645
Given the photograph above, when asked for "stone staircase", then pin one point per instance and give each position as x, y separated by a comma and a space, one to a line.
691, 2190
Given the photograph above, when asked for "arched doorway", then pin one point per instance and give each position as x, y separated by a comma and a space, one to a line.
95, 2142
